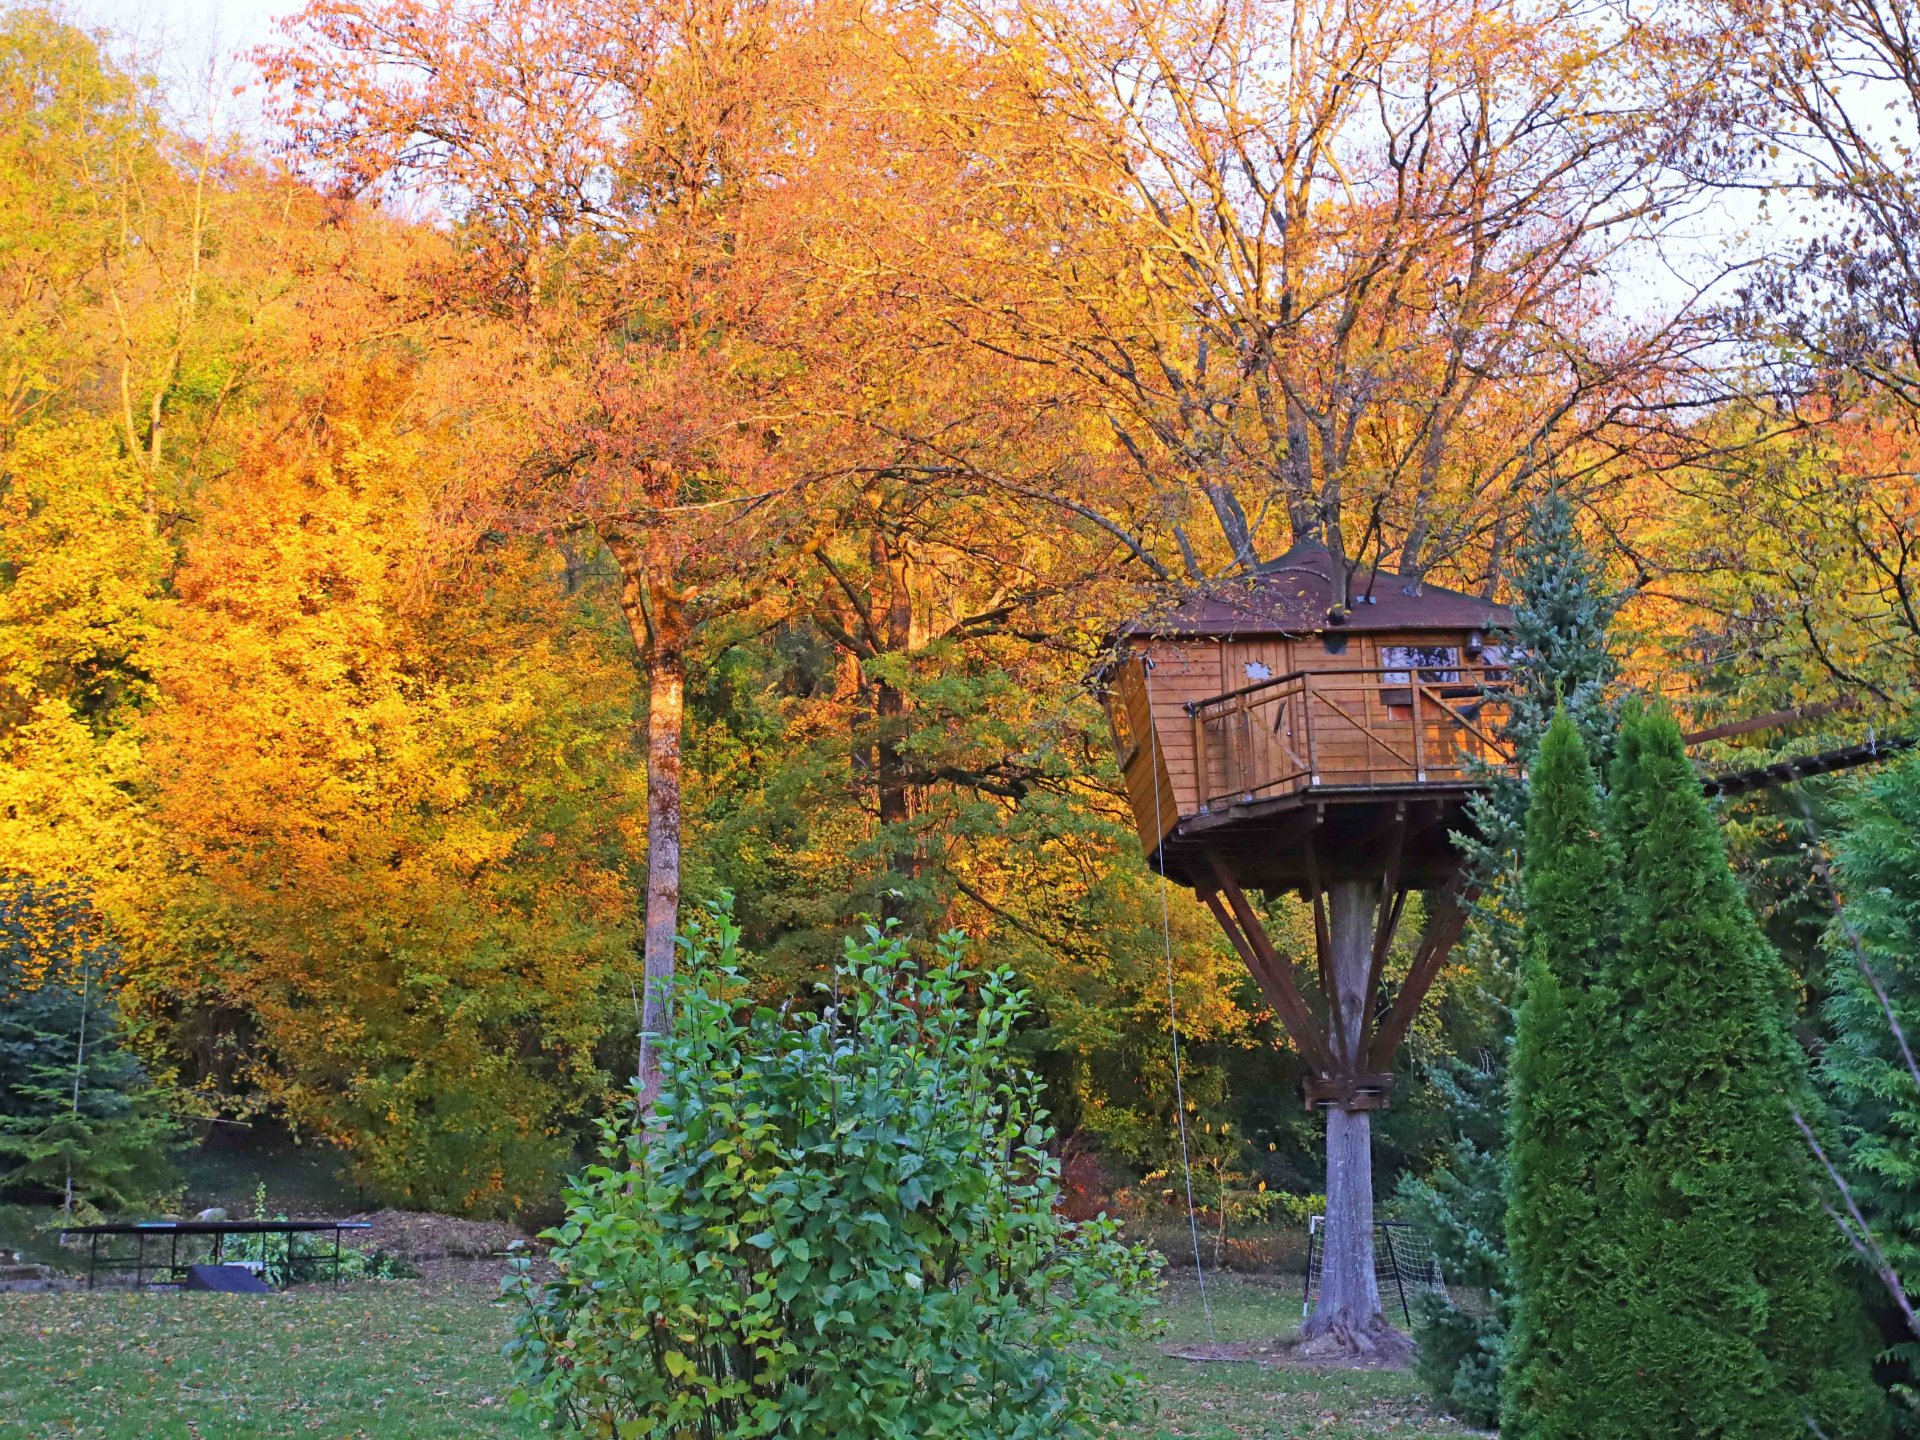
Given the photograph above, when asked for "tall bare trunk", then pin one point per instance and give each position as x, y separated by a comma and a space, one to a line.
893, 603
657, 619
1347, 1317
666, 701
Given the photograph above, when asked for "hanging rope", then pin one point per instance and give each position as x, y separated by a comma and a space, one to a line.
1173, 1007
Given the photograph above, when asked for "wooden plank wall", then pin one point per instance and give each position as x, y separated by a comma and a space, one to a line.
1150, 789
1182, 671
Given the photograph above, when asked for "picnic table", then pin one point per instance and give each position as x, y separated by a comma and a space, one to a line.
213, 1232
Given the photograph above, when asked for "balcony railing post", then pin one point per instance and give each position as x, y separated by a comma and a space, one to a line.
1306, 715
1419, 733
1202, 762
1246, 748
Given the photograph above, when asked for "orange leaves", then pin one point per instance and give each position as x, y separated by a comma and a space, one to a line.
393, 808
1329, 272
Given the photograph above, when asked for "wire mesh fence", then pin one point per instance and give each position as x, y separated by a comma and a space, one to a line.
1403, 1261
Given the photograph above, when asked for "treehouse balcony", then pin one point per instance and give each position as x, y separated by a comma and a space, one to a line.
1366, 730
1301, 725
1311, 776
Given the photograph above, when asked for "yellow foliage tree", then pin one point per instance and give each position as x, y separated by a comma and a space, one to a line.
397, 812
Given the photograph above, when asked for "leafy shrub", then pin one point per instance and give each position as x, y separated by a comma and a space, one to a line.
843, 1225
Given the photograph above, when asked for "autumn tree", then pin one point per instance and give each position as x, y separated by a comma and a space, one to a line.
1335, 274
132, 260
396, 801
81, 563
1804, 527
1328, 276
638, 189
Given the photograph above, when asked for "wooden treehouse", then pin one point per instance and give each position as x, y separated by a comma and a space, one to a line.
1296, 729
1300, 729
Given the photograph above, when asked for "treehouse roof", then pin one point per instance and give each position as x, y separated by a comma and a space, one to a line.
1307, 591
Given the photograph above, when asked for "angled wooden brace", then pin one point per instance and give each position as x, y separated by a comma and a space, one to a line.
1273, 974
1323, 956
1393, 901
1427, 964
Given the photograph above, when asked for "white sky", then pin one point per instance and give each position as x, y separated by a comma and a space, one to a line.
187, 27
183, 42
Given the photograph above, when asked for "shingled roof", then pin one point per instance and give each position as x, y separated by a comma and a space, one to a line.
1293, 594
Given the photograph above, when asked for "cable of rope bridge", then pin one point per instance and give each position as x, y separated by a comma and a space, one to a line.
1785, 772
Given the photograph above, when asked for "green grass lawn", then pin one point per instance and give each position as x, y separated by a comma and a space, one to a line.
402, 1361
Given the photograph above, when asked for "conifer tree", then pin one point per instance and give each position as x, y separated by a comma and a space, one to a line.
1565, 1123
79, 1117
1736, 1322
1877, 863
1561, 656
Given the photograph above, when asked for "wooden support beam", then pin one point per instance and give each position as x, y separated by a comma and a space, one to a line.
1269, 969
1393, 901
1323, 955
1402, 813
1770, 720
1786, 772
1442, 935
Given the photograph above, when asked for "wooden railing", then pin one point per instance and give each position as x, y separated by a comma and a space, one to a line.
1349, 728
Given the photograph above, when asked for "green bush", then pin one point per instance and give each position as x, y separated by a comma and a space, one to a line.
840, 1225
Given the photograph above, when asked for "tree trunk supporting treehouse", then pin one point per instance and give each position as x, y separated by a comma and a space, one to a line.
1349, 1049
1302, 727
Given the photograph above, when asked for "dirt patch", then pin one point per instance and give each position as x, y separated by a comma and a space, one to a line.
416, 1236
1282, 1355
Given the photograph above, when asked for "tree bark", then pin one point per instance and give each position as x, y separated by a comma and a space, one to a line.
666, 703
1346, 1316
657, 619
893, 609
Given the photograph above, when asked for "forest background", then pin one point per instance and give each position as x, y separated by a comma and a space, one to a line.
739, 426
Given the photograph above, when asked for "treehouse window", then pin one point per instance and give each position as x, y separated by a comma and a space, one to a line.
1437, 664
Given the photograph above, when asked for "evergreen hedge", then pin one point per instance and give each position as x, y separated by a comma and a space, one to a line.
1566, 1121
1677, 1275
1740, 1323
1561, 656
